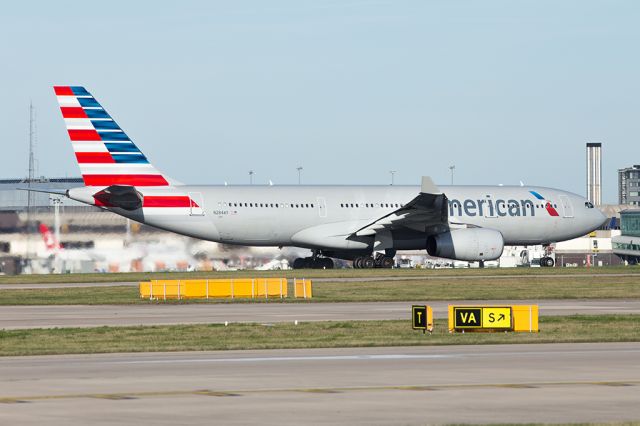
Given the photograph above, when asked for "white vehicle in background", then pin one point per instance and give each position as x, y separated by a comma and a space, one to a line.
405, 263
274, 265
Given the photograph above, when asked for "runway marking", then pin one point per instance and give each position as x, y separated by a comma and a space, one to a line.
367, 357
292, 358
126, 396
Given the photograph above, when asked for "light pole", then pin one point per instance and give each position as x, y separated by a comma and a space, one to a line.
251, 173
393, 174
452, 168
299, 169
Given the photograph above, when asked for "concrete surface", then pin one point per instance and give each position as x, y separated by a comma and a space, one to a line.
364, 386
47, 316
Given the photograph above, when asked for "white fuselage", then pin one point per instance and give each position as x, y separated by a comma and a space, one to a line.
324, 217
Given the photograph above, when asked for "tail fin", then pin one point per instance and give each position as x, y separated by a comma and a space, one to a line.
105, 154
50, 241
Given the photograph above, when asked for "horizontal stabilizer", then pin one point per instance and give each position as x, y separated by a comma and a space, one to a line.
46, 191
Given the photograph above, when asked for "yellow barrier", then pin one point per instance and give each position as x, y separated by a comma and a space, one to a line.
525, 318
302, 289
494, 318
218, 288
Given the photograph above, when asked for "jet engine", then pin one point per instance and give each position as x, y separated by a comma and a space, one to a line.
125, 197
469, 244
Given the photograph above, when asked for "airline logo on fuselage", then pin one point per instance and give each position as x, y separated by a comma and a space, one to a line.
490, 207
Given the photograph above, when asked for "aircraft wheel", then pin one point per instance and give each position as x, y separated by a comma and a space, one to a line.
387, 262
299, 263
327, 263
357, 263
368, 262
549, 262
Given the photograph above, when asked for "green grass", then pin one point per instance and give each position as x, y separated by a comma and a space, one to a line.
448, 288
577, 328
526, 287
313, 273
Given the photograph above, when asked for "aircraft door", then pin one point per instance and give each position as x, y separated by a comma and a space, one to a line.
567, 207
196, 204
322, 206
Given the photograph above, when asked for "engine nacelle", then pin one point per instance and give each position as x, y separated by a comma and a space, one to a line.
469, 244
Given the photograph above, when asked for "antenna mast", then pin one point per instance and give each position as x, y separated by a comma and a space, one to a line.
32, 165
31, 176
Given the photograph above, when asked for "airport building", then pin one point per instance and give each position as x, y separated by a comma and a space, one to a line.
627, 244
13, 198
629, 185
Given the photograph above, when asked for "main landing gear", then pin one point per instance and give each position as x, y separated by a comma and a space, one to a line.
368, 262
313, 262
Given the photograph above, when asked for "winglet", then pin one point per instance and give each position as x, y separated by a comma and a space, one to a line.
428, 187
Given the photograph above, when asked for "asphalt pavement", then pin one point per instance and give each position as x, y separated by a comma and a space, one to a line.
49, 316
548, 383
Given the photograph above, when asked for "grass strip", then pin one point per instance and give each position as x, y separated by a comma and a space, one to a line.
315, 273
328, 334
526, 287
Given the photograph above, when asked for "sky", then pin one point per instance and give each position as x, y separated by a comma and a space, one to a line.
506, 91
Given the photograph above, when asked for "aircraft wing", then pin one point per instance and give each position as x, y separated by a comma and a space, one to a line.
427, 212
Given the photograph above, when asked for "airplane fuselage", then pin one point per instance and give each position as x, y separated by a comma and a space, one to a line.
283, 215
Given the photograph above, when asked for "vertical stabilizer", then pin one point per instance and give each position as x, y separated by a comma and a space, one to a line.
105, 154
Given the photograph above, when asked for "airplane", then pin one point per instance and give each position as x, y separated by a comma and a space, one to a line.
363, 224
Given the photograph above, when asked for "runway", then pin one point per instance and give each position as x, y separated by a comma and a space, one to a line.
427, 277
557, 383
48, 316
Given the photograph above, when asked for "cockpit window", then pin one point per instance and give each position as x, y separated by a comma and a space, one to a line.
588, 204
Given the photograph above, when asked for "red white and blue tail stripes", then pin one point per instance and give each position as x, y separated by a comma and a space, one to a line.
106, 155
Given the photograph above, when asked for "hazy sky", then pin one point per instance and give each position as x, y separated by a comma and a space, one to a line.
505, 90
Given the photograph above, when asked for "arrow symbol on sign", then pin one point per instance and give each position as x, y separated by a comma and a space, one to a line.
501, 317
